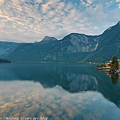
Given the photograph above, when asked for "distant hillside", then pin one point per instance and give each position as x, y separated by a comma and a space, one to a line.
73, 48
7, 47
109, 45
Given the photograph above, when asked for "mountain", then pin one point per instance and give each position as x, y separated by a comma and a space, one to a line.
7, 47
73, 48
52, 50
34, 52
109, 45
47, 39
75, 42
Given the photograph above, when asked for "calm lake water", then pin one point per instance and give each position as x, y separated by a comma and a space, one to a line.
57, 92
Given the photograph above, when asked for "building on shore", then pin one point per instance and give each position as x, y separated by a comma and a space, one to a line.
108, 64
119, 63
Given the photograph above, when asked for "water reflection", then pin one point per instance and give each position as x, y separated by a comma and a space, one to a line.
72, 92
55, 103
114, 77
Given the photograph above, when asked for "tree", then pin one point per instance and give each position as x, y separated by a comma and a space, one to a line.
114, 63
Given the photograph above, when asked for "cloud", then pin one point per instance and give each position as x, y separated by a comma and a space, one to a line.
90, 1
117, 0
31, 20
119, 6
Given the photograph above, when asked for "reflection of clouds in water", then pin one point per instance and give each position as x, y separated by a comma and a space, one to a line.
31, 99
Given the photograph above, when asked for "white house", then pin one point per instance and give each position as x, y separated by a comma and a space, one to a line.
119, 63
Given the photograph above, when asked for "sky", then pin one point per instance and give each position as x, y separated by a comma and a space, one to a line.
31, 20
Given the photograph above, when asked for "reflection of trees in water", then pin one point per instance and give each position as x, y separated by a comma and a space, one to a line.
115, 78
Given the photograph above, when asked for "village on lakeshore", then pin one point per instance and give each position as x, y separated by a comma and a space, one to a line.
112, 66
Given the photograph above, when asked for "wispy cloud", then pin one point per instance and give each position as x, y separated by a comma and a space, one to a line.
117, 0
31, 20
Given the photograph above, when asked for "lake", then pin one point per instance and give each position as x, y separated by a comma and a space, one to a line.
57, 92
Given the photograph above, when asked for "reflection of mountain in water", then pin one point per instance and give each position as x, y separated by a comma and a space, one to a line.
73, 78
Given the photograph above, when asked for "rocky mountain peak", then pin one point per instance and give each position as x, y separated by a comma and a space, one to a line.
118, 23
75, 34
48, 39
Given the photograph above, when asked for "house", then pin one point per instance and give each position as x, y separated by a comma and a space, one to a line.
108, 64
119, 63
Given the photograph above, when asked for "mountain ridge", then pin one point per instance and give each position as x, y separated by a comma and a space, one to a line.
73, 48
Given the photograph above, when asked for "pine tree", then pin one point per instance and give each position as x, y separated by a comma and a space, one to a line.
114, 63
